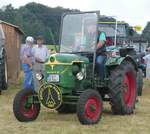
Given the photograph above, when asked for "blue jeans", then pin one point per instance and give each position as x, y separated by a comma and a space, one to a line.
28, 82
100, 61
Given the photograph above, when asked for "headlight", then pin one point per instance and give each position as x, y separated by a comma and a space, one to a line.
80, 76
39, 76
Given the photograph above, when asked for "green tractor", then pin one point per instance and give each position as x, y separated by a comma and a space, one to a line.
71, 82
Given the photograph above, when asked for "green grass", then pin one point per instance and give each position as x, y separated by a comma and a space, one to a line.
50, 122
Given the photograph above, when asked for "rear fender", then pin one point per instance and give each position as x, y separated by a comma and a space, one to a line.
115, 61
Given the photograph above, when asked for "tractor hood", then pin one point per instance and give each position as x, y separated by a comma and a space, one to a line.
66, 59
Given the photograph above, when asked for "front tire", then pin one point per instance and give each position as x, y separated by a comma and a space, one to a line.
24, 110
122, 87
89, 107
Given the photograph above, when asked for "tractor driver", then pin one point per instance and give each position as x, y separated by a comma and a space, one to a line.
101, 48
101, 54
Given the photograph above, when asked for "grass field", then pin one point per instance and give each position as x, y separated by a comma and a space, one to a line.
50, 122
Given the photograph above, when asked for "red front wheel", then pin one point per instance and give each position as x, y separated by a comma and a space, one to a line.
89, 107
26, 106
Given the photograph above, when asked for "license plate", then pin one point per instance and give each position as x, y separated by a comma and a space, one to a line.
53, 78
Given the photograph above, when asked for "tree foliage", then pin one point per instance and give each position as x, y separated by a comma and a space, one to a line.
36, 19
146, 32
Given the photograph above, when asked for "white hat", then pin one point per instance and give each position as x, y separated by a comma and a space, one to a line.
30, 39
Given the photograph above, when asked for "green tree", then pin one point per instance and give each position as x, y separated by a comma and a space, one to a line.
8, 14
146, 32
36, 19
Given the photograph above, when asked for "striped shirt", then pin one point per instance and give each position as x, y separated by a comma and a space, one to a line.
41, 52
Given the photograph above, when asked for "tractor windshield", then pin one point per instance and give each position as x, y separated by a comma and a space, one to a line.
79, 32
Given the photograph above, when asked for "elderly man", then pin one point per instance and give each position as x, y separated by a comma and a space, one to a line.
40, 54
27, 60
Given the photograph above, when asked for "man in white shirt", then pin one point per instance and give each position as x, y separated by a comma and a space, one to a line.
40, 54
147, 61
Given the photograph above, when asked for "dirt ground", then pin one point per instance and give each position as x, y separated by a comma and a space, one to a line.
50, 122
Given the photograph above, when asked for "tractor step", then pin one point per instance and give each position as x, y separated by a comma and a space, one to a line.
70, 99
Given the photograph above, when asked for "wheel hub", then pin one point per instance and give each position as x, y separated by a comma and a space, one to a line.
92, 108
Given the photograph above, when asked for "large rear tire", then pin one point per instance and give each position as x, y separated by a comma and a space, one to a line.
122, 87
23, 110
89, 107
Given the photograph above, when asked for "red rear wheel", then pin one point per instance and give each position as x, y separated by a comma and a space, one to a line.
122, 88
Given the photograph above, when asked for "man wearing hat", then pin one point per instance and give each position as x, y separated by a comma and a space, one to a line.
40, 54
27, 60
101, 47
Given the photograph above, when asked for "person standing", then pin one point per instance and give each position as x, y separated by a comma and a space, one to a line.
147, 61
27, 61
40, 54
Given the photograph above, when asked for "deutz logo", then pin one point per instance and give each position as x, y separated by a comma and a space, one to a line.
50, 96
